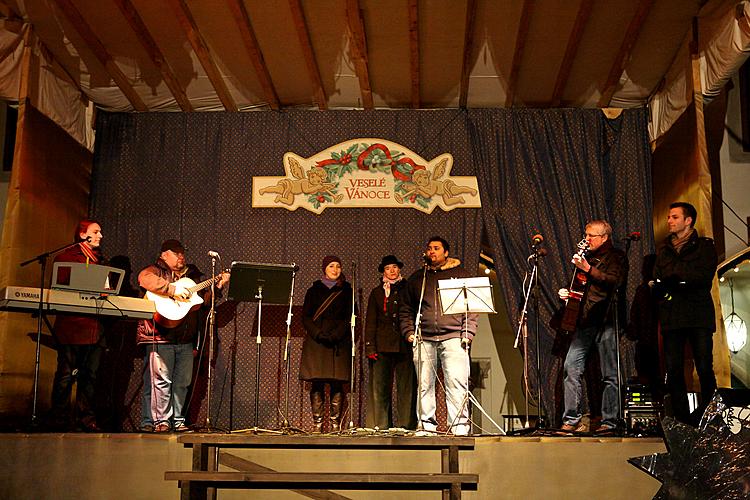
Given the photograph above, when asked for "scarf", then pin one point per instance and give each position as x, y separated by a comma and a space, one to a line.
387, 287
678, 243
329, 283
91, 256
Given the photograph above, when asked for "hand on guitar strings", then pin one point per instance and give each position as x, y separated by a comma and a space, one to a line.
181, 293
581, 263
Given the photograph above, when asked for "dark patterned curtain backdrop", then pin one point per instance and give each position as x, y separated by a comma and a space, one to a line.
551, 171
189, 175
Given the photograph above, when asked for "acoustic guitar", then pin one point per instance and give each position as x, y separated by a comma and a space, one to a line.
572, 308
170, 311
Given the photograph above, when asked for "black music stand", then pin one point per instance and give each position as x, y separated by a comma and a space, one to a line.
262, 283
464, 296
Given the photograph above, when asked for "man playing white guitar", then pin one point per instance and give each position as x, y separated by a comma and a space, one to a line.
169, 338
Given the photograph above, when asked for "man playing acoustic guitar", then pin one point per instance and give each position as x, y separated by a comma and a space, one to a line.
605, 268
168, 365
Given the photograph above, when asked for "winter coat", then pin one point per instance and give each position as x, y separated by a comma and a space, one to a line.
686, 279
382, 331
74, 328
326, 350
609, 269
436, 326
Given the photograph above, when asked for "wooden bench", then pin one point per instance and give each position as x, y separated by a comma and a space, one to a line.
200, 483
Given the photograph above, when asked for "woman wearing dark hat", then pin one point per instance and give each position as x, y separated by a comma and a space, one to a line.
390, 356
326, 351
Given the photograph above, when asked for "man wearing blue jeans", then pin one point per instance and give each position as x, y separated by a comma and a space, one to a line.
168, 364
445, 339
603, 269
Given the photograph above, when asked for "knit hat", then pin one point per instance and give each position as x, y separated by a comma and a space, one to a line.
173, 245
389, 259
328, 259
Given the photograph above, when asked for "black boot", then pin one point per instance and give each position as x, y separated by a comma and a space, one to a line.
316, 403
337, 407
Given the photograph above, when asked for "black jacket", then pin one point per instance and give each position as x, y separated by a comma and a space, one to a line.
435, 325
326, 350
609, 269
686, 279
382, 331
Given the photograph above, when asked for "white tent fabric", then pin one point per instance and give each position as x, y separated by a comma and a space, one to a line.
723, 46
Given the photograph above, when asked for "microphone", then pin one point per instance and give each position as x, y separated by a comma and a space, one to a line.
634, 236
426, 258
213, 254
537, 239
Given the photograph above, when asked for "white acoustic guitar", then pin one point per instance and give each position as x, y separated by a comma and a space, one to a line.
170, 311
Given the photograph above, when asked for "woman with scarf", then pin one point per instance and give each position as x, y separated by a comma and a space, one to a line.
389, 355
326, 351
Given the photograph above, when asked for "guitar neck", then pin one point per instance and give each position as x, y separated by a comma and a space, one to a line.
204, 284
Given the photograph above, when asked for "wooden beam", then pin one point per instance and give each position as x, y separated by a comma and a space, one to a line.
28, 82
623, 55
193, 34
416, 99
69, 10
471, 12
523, 31
582, 17
152, 49
11, 48
239, 12
300, 25
358, 45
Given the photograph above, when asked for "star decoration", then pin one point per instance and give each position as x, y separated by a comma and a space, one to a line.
711, 461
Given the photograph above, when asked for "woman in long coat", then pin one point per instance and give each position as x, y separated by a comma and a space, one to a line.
326, 351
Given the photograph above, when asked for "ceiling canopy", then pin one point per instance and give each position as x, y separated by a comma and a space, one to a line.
200, 55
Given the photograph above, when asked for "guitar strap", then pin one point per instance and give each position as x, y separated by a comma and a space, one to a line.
325, 304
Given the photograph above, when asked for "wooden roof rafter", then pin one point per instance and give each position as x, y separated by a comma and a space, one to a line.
300, 25
623, 54
193, 34
521, 36
563, 74
358, 44
154, 53
416, 97
11, 20
471, 8
245, 27
74, 17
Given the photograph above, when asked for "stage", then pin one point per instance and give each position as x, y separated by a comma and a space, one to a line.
133, 465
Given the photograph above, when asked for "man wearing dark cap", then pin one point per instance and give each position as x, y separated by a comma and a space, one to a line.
389, 354
168, 365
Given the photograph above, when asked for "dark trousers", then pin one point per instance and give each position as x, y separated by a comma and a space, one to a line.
701, 343
76, 364
390, 366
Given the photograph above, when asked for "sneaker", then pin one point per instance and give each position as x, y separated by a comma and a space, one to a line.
147, 428
162, 427
181, 427
577, 427
423, 433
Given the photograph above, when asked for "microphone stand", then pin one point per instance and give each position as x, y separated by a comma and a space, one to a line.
353, 324
211, 325
42, 259
285, 424
418, 344
533, 286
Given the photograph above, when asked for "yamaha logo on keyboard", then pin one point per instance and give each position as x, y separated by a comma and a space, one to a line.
27, 295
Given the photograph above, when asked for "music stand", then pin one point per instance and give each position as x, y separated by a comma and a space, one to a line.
467, 295
262, 283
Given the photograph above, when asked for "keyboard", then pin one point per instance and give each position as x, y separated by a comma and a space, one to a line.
25, 298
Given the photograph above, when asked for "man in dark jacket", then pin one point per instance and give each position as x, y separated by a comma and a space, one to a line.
684, 272
605, 269
388, 352
444, 337
168, 365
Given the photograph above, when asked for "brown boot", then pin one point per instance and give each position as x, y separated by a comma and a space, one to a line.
316, 403
337, 408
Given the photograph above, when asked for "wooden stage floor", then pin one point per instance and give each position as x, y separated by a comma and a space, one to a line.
132, 466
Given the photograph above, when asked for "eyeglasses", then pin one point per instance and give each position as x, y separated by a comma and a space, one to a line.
589, 235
